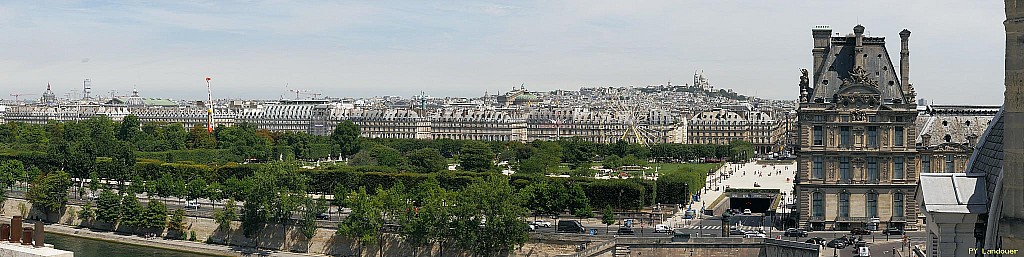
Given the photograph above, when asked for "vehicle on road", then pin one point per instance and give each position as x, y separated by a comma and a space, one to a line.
860, 231
570, 226
624, 230
894, 231
755, 235
795, 232
541, 223
816, 240
838, 243
689, 214
662, 228
737, 232
747, 212
323, 216
531, 227
192, 205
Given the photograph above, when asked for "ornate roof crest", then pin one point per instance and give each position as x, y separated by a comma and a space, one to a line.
859, 76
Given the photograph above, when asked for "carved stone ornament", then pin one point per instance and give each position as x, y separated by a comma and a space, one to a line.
859, 76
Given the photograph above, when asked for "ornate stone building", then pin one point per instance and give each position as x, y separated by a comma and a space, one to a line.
856, 149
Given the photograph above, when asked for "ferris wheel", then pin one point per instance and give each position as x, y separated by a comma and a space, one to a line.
632, 111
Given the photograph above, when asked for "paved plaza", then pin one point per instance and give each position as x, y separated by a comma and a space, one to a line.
741, 175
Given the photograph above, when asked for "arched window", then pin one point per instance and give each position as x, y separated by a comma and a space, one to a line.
872, 204
897, 204
844, 204
818, 206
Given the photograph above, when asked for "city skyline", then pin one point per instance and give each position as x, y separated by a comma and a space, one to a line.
468, 49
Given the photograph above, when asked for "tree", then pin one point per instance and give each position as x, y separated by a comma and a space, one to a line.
313, 207
132, 212
476, 156
488, 217
429, 223
226, 215
426, 160
155, 217
87, 213
177, 222
607, 218
200, 138
195, 189
346, 136
578, 203
10, 172
108, 207
364, 222
129, 129
378, 155
49, 193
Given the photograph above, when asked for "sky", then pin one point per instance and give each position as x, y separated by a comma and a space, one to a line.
261, 49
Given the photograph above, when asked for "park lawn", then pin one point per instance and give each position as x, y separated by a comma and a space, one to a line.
694, 173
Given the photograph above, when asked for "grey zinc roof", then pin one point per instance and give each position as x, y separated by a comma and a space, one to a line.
839, 62
958, 122
968, 192
988, 154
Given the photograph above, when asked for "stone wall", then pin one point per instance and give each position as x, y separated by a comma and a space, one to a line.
325, 241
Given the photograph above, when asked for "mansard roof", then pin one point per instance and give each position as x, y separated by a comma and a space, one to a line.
836, 71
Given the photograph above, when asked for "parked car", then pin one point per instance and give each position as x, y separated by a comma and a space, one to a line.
662, 228
860, 231
795, 232
747, 212
838, 243
755, 235
531, 227
816, 240
624, 230
541, 223
570, 226
737, 232
192, 205
323, 216
894, 231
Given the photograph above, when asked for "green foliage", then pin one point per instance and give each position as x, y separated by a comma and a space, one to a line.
10, 172
129, 129
87, 213
177, 221
244, 141
365, 221
49, 193
155, 216
226, 215
108, 207
200, 138
132, 212
192, 236
346, 137
476, 156
426, 160
495, 201
607, 216
312, 208
378, 155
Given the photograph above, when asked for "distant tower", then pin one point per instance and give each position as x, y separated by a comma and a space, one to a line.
86, 88
49, 99
209, 106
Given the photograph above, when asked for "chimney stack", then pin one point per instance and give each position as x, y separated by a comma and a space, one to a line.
15, 229
822, 35
858, 50
38, 235
905, 58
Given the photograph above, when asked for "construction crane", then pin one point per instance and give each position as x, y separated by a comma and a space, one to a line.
17, 95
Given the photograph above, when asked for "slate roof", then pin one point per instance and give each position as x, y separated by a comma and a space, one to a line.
969, 195
988, 154
839, 62
956, 121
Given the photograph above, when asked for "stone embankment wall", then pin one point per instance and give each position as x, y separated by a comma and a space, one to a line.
281, 238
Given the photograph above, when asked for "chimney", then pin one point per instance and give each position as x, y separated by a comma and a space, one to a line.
38, 235
15, 229
822, 35
905, 58
858, 50
27, 239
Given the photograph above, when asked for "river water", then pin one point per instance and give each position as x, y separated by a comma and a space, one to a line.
84, 247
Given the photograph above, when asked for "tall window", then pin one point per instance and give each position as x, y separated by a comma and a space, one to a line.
844, 204
926, 164
818, 137
818, 209
872, 136
897, 168
897, 139
873, 169
949, 163
897, 204
872, 204
819, 169
844, 169
844, 136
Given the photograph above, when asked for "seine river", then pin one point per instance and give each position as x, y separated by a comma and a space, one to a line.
95, 248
